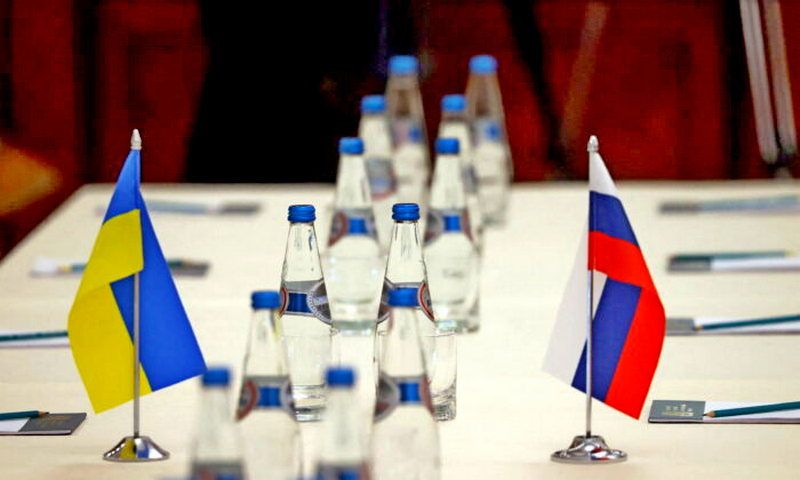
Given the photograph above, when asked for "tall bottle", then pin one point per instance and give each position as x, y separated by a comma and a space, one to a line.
374, 130
492, 172
217, 449
354, 258
487, 116
273, 447
406, 114
343, 455
455, 124
405, 441
451, 258
304, 322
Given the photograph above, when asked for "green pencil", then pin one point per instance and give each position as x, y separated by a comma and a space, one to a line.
23, 414
14, 337
749, 323
735, 412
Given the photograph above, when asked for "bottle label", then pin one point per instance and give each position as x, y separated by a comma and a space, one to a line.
264, 391
342, 472
441, 221
214, 470
393, 391
352, 221
306, 297
423, 298
382, 180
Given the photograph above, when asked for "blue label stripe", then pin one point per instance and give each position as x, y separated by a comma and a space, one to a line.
356, 226
612, 321
452, 223
298, 303
607, 215
269, 397
409, 392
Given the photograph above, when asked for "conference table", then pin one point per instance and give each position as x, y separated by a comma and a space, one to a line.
511, 415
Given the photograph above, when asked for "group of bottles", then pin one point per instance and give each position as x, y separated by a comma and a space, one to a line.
266, 442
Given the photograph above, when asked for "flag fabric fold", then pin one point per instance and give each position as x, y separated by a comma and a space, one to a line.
100, 324
628, 317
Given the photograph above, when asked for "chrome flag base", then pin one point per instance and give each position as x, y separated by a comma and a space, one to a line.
136, 449
588, 451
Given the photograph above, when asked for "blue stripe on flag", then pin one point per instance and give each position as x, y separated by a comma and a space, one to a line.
612, 321
607, 215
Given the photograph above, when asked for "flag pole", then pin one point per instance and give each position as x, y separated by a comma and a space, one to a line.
589, 449
136, 448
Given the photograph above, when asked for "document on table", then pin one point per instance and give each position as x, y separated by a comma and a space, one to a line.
49, 424
695, 326
692, 411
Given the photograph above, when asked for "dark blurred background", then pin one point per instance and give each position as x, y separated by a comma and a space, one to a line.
247, 92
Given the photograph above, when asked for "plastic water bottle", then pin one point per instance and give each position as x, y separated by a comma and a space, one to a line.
405, 440
343, 455
454, 124
451, 258
410, 164
486, 114
304, 322
217, 449
491, 170
375, 132
405, 266
406, 114
353, 261
273, 447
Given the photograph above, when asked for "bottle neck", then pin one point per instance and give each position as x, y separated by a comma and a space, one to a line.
447, 189
263, 356
403, 97
302, 254
403, 360
215, 412
483, 97
405, 263
341, 443
352, 186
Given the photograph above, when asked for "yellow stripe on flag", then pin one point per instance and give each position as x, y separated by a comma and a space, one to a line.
100, 342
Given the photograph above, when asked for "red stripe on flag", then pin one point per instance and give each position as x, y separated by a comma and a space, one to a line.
620, 260
639, 357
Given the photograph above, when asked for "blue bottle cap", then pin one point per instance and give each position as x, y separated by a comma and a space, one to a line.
403, 297
351, 146
454, 103
447, 146
265, 299
217, 377
403, 65
415, 134
492, 131
302, 213
340, 377
405, 212
373, 104
483, 64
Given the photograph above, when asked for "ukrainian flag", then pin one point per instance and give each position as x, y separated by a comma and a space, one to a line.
101, 320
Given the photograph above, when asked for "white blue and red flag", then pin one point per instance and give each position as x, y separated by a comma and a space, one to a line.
628, 318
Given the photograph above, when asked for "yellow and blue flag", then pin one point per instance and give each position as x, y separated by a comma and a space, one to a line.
101, 320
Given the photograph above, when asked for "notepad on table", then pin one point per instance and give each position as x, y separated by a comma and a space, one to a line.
50, 424
693, 411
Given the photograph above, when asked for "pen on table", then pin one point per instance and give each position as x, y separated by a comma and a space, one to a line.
15, 337
752, 322
23, 414
777, 203
767, 260
45, 266
735, 412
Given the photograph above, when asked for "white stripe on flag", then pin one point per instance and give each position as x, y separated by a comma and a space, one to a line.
599, 179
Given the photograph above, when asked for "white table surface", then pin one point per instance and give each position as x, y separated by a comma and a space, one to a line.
511, 415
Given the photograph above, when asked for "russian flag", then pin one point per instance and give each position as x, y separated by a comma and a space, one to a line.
628, 317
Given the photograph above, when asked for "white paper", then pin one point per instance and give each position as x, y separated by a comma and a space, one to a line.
768, 264
12, 426
784, 416
784, 327
57, 342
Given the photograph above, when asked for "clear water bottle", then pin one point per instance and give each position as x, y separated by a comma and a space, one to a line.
451, 259
343, 454
491, 170
406, 114
304, 322
410, 164
353, 261
486, 114
273, 447
454, 124
217, 449
375, 132
405, 441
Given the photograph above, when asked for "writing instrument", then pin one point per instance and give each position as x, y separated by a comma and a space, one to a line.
748, 322
759, 204
23, 414
735, 412
45, 266
16, 337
